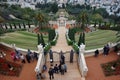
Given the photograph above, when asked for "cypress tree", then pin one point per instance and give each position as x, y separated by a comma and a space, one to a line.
71, 34
51, 35
80, 39
83, 38
42, 40
38, 38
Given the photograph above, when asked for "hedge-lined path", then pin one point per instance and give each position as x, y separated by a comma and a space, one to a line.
61, 45
72, 71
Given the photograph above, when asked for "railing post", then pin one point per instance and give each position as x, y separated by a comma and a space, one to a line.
41, 59
82, 63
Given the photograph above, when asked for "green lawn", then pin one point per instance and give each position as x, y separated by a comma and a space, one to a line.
98, 38
22, 39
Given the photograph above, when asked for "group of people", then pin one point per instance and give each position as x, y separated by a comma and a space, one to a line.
106, 50
61, 68
30, 56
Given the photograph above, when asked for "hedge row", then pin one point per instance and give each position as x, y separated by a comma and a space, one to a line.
73, 44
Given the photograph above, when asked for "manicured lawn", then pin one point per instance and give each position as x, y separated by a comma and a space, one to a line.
22, 39
98, 39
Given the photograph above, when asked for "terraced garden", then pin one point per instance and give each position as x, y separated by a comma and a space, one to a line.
98, 38
22, 39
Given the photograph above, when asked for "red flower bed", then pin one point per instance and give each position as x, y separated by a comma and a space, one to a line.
107, 68
5, 70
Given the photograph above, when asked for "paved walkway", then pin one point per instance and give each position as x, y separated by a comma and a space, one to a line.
61, 45
73, 71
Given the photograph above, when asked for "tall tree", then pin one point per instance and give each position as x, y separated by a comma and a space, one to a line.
40, 17
80, 39
84, 19
38, 36
42, 40
83, 37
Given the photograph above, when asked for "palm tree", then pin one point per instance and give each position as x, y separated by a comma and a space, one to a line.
40, 17
84, 19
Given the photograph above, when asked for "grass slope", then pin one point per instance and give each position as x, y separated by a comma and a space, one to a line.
98, 38
22, 39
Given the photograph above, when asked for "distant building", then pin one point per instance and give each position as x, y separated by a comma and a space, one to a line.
111, 6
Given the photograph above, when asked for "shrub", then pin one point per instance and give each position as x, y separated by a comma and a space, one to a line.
54, 41
76, 47
46, 48
69, 42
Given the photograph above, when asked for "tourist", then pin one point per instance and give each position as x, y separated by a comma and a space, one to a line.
44, 67
104, 50
35, 55
28, 58
51, 56
56, 68
51, 73
22, 58
71, 56
29, 52
32, 56
62, 59
107, 49
62, 69
65, 66
59, 67
17, 54
96, 53
13, 56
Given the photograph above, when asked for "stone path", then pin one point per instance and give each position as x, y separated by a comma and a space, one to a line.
61, 45
73, 71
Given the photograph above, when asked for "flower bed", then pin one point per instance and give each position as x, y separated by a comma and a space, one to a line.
5, 70
107, 68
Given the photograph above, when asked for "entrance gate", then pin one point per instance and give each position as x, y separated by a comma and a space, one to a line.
61, 53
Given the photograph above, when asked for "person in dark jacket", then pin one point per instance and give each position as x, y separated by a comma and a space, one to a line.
96, 53
51, 73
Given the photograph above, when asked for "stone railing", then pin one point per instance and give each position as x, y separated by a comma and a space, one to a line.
88, 53
41, 59
81, 61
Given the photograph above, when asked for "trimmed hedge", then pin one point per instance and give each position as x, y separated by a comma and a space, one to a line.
73, 44
46, 48
54, 41
76, 47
